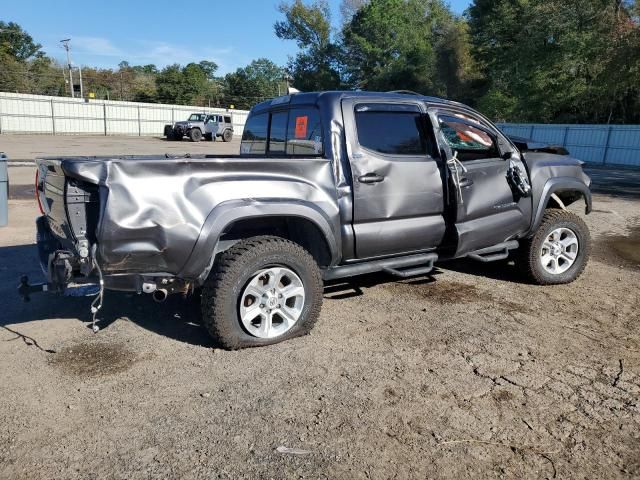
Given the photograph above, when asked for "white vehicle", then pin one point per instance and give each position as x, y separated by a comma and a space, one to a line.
201, 125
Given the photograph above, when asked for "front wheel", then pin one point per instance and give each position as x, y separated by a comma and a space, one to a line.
195, 135
261, 291
558, 252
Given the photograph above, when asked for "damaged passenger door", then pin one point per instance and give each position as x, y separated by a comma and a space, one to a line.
485, 169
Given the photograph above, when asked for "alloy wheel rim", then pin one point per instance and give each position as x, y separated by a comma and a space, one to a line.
559, 251
272, 302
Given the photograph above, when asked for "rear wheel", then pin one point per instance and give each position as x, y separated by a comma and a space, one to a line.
559, 250
227, 136
195, 135
261, 291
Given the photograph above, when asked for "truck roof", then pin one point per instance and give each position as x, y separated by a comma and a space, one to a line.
314, 98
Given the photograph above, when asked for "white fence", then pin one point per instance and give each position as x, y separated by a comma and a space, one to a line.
22, 113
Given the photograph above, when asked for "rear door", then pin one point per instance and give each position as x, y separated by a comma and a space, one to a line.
488, 210
397, 186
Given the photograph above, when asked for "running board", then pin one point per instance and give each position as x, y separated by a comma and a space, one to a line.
492, 254
398, 266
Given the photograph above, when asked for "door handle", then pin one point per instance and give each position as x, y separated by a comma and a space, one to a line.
465, 182
370, 178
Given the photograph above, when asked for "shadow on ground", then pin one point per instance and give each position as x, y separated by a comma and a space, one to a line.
177, 318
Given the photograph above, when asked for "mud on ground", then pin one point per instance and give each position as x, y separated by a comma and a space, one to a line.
468, 373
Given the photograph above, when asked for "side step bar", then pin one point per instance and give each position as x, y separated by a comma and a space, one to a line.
497, 252
398, 266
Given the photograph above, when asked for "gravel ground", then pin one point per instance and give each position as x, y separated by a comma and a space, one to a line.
468, 373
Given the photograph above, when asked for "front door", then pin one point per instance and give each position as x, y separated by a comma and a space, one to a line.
397, 186
489, 210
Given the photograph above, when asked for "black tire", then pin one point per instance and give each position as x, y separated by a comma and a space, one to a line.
227, 136
528, 258
231, 272
195, 135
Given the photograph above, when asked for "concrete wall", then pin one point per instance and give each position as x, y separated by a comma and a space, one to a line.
597, 144
22, 113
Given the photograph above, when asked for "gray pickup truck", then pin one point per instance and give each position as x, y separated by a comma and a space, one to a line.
327, 185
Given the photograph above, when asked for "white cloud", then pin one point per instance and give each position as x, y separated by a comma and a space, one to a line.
99, 46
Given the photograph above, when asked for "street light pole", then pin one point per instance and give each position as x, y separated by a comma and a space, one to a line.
65, 45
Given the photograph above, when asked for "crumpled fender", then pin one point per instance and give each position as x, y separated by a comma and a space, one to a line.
223, 215
558, 185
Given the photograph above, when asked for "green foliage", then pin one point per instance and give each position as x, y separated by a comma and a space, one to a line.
18, 44
317, 66
390, 45
497, 105
259, 80
562, 61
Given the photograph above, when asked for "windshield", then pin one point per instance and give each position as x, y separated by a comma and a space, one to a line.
197, 117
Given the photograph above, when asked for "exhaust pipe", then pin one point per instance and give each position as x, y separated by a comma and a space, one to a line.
160, 295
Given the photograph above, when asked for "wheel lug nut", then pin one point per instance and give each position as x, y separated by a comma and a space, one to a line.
262, 305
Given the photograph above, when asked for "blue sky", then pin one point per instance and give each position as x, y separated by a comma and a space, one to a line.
159, 31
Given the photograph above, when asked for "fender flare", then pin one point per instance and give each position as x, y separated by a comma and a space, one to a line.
202, 256
553, 186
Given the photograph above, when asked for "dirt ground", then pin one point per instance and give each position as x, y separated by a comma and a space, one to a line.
468, 373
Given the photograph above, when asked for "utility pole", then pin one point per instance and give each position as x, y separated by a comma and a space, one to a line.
65, 45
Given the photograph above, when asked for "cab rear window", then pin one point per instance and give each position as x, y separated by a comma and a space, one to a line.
254, 137
293, 132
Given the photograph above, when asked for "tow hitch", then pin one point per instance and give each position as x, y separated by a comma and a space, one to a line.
26, 289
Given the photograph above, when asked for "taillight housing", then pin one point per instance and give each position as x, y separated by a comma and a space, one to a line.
38, 191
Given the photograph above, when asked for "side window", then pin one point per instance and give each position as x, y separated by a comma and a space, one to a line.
304, 132
391, 129
278, 132
290, 132
254, 137
470, 141
227, 119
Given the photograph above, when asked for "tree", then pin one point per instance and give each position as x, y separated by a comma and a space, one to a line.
209, 69
17, 43
561, 61
170, 84
392, 45
317, 66
259, 80
24, 66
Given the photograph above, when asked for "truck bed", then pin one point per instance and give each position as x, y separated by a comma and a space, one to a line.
146, 214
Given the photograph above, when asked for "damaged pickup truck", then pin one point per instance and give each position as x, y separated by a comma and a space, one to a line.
327, 185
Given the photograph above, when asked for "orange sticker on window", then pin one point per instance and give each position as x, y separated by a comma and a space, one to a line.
301, 127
